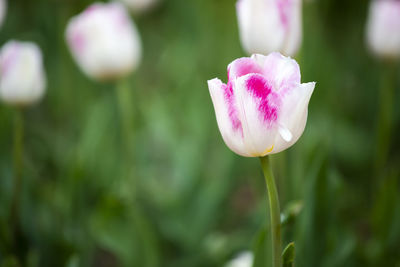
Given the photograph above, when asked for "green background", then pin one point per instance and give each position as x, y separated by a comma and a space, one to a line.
168, 192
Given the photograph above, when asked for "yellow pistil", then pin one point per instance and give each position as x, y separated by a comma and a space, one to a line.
265, 152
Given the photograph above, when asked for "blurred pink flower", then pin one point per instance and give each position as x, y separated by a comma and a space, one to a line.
104, 41
23, 80
267, 26
263, 108
383, 28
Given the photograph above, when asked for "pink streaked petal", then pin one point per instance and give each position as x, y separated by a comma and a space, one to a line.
227, 121
263, 92
10, 57
284, 8
77, 41
119, 14
241, 67
258, 107
282, 72
229, 98
93, 8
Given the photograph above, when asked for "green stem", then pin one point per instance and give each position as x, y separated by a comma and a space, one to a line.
124, 98
385, 119
275, 211
18, 166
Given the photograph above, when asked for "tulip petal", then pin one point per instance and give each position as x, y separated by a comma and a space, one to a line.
285, 133
258, 107
294, 29
260, 27
243, 66
293, 116
227, 116
383, 26
21, 59
282, 72
104, 41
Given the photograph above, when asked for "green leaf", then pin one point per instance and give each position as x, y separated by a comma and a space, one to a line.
262, 249
291, 211
288, 255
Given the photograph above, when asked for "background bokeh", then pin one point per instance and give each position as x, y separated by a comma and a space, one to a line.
185, 199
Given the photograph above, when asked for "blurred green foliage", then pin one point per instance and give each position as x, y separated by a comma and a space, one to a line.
181, 198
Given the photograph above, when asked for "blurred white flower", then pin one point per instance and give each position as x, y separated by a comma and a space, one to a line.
244, 259
383, 28
140, 6
22, 77
104, 41
263, 108
267, 26
3, 7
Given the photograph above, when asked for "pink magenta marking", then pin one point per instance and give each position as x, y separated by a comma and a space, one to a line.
92, 8
120, 17
241, 67
269, 100
78, 42
392, 13
230, 101
271, 73
284, 9
10, 58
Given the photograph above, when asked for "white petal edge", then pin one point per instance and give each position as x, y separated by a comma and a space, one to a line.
233, 139
294, 115
281, 71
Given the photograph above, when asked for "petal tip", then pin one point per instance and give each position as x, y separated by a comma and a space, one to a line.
310, 86
214, 83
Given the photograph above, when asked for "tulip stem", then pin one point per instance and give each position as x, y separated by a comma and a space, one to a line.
125, 109
384, 126
274, 211
17, 175
124, 98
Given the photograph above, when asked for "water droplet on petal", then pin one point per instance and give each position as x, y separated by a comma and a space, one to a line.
285, 133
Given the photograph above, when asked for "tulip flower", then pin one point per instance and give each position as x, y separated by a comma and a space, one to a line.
22, 77
22, 83
267, 26
383, 40
104, 41
263, 108
3, 7
383, 28
140, 6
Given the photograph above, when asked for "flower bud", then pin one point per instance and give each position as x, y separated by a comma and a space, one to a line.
22, 77
263, 108
383, 28
104, 41
140, 6
267, 26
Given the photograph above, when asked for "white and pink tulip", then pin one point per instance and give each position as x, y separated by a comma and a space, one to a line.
267, 26
104, 41
383, 28
22, 76
263, 108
